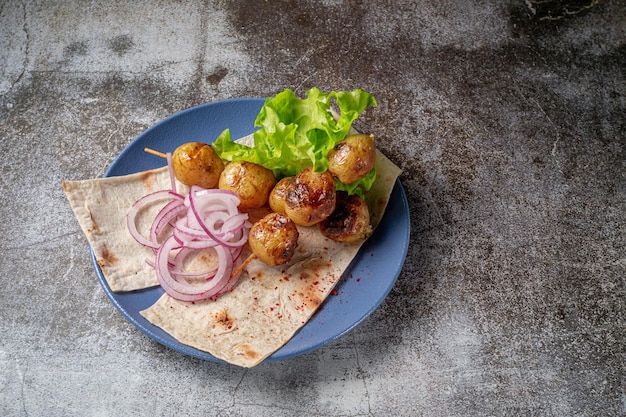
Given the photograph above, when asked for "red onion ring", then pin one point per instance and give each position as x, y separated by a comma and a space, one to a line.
182, 290
206, 219
166, 215
140, 205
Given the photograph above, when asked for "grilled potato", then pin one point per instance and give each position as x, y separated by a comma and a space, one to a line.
310, 197
349, 222
252, 183
352, 158
196, 163
274, 239
277, 196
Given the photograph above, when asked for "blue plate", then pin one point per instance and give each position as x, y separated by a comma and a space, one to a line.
360, 291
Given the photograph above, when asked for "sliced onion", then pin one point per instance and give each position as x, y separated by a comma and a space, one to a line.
206, 219
196, 209
237, 260
167, 215
140, 205
178, 265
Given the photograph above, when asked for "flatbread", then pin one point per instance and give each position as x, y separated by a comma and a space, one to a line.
265, 309
268, 305
100, 206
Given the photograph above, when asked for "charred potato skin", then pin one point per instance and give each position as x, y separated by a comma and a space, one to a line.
277, 196
251, 182
352, 158
350, 222
310, 197
274, 239
197, 163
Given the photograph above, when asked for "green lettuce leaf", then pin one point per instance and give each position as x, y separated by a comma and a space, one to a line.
299, 133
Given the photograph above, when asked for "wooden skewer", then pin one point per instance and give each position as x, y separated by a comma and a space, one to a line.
243, 265
153, 152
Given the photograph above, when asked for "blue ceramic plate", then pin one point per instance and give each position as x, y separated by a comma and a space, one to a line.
359, 292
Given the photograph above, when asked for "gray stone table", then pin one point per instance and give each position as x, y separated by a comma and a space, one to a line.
508, 119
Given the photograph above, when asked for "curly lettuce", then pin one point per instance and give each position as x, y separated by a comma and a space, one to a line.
297, 133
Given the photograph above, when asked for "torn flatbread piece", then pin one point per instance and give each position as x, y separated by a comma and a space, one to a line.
100, 206
266, 308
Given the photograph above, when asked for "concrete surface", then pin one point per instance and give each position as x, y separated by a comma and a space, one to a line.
509, 123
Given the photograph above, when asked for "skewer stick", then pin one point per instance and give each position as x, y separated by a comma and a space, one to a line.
243, 265
153, 152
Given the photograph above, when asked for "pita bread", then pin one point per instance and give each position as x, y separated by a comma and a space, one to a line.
268, 305
100, 206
